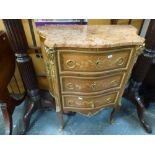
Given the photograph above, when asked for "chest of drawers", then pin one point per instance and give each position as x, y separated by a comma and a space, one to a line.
88, 66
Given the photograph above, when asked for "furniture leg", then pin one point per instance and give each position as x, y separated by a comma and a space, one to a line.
7, 119
132, 94
8, 105
60, 117
140, 111
27, 116
138, 75
32, 106
113, 113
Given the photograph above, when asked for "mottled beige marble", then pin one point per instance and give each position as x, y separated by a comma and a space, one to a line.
95, 36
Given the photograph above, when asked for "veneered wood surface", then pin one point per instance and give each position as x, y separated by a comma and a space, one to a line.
79, 85
90, 102
93, 62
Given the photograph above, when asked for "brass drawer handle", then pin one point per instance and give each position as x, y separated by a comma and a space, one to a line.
71, 63
120, 61
114, 83
87, 103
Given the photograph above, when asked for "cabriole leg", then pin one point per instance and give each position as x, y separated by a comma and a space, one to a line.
113, 113
60, 116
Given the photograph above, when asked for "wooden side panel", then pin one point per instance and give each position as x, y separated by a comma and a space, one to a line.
43, 83
135, 22
27, 32
16, 85
99, 21
38, 65
36, 34
1, 25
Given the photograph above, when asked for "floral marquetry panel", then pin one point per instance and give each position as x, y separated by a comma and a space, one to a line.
86, 61
71, 84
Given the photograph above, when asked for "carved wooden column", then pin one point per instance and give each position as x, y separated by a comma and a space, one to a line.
16, 34
139, 72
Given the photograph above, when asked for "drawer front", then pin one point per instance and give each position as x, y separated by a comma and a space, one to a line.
84, 102
92, 84
93, 62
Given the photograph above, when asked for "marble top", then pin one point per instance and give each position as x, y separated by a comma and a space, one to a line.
94, 36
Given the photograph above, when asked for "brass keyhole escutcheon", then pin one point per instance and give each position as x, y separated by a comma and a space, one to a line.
71, 63
114, 83
98, 63
93, 85
120, 61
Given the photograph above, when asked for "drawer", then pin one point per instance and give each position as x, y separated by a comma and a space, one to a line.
85, 61
71, 84
84, 102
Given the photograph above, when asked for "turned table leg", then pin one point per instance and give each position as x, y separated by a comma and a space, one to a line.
7, 119
7, 106
132, 94
27, 116
140, 112
17, 37
139, 72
